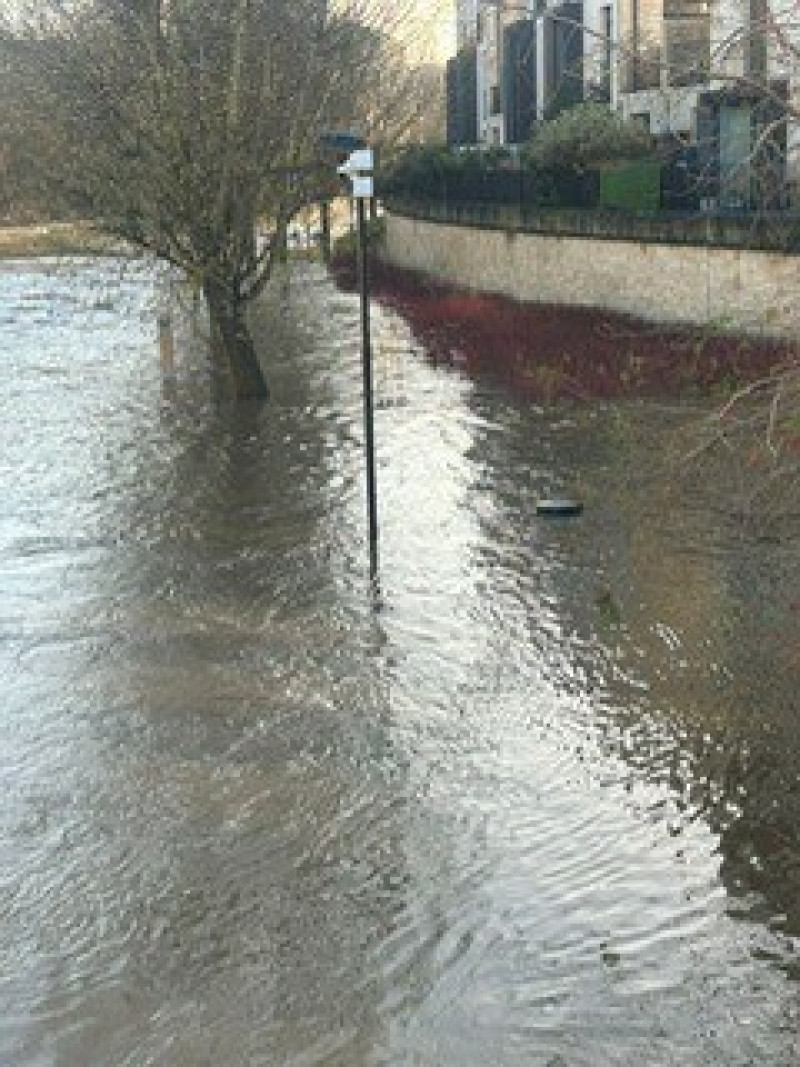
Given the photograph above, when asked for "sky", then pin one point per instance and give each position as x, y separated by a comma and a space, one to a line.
446, 32
431, 33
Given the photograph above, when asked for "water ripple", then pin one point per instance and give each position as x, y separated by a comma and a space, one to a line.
529, 801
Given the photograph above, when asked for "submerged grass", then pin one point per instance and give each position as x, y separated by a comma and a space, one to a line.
53, 239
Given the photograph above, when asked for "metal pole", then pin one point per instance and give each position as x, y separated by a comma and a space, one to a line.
366, 355
325, 227
166, 345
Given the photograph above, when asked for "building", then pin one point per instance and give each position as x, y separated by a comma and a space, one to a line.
741, 142
601, 51
528, 65
723, 75
520, 91
462, 78
664, 56
466, 23
560, 50
493, 17
462, 97
756, 76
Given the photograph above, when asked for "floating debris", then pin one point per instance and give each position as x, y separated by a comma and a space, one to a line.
559, 507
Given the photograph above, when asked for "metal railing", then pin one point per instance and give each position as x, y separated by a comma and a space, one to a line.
764, 231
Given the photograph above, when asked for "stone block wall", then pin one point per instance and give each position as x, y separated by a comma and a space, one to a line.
737, 289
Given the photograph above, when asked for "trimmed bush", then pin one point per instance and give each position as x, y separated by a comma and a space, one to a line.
560, 167
633, 185
585, 136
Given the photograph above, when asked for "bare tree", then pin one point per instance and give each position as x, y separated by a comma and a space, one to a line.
177, 124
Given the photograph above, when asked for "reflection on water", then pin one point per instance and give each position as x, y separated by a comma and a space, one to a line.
536, 803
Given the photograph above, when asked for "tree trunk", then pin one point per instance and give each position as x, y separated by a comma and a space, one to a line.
231, 344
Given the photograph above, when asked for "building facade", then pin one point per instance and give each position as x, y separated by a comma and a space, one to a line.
520, 90
462, 97
466, 23
560, 48
494, 19
529, 63
652, 60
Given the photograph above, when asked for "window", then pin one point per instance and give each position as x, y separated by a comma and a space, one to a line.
687, 41
606, 29
688, 50
495, 104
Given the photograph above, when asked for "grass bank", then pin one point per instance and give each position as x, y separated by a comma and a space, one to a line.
53, 239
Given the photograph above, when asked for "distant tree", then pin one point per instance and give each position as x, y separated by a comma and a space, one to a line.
177, 125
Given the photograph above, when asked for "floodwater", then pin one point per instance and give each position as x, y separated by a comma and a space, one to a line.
533, 800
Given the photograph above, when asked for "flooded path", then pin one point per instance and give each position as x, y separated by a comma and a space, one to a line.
535, 802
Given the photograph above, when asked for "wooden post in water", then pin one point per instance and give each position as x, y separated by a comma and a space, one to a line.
325, 229
166, 345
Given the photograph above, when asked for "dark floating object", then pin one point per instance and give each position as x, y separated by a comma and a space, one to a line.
559, 507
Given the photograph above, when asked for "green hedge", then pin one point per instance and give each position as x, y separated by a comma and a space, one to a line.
548, 173
633, 185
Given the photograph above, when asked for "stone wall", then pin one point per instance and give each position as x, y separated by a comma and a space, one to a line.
739, 289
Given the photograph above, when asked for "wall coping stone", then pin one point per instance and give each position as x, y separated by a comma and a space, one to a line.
775, 232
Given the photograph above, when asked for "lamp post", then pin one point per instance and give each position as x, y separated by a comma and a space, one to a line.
358, 169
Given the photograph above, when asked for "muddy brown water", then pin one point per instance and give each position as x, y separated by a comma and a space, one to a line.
533, 801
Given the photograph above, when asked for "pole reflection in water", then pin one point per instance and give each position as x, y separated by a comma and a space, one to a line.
537, 804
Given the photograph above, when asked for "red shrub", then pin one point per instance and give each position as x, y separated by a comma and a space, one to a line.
549, 352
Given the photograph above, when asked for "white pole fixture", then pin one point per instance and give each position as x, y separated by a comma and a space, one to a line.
358, 169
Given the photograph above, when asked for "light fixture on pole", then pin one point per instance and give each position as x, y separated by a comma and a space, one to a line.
358, 168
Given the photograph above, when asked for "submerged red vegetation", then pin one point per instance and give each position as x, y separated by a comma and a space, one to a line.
550, 352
